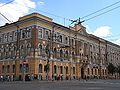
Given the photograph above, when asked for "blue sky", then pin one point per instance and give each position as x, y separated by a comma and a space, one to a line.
106, 26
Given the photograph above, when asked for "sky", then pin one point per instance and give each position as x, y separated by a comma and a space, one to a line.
105, 26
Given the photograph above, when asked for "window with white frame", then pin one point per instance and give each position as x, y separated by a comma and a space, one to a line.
28, 32
60, 39
40, 32
47, 34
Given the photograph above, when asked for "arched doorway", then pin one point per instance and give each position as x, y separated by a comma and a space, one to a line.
82, 73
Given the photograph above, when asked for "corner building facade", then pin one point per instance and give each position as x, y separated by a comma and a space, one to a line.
71, 53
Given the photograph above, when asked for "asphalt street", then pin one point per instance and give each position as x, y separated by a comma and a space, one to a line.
62, 85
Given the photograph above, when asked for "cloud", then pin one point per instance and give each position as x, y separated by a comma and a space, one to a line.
41, 2
15, 10
117, 41
102, 31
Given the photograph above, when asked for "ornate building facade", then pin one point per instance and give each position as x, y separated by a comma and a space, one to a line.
35, 46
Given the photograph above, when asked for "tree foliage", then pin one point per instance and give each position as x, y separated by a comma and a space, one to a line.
118, 69
111, 68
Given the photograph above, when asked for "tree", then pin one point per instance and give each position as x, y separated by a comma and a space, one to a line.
111, 69
118, 70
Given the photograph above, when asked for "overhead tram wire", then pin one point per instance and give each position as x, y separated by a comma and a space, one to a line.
7, 3
5, 17
77, 19
102, 13
101, 9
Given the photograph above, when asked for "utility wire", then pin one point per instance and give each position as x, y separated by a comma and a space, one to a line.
70, 19
101, 9
3, 14
102, 13
7, 3
5, 17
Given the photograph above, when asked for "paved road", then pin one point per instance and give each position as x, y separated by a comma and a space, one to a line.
62, 85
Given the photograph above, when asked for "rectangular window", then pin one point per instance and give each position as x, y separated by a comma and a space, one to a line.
40, 33
23, 34
73, 42
46, 34
28, 32
60, 38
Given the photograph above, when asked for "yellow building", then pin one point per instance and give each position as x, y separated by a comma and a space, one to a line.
36, 47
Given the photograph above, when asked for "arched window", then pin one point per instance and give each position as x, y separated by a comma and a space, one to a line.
103, 71
55, 69
95, 71
54, 53
8, 68
73, 70
73, 56
88, 71
3, 69
20, 68
40, 50
40, 68
92, 71
67, 70
61, 70
13, 68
